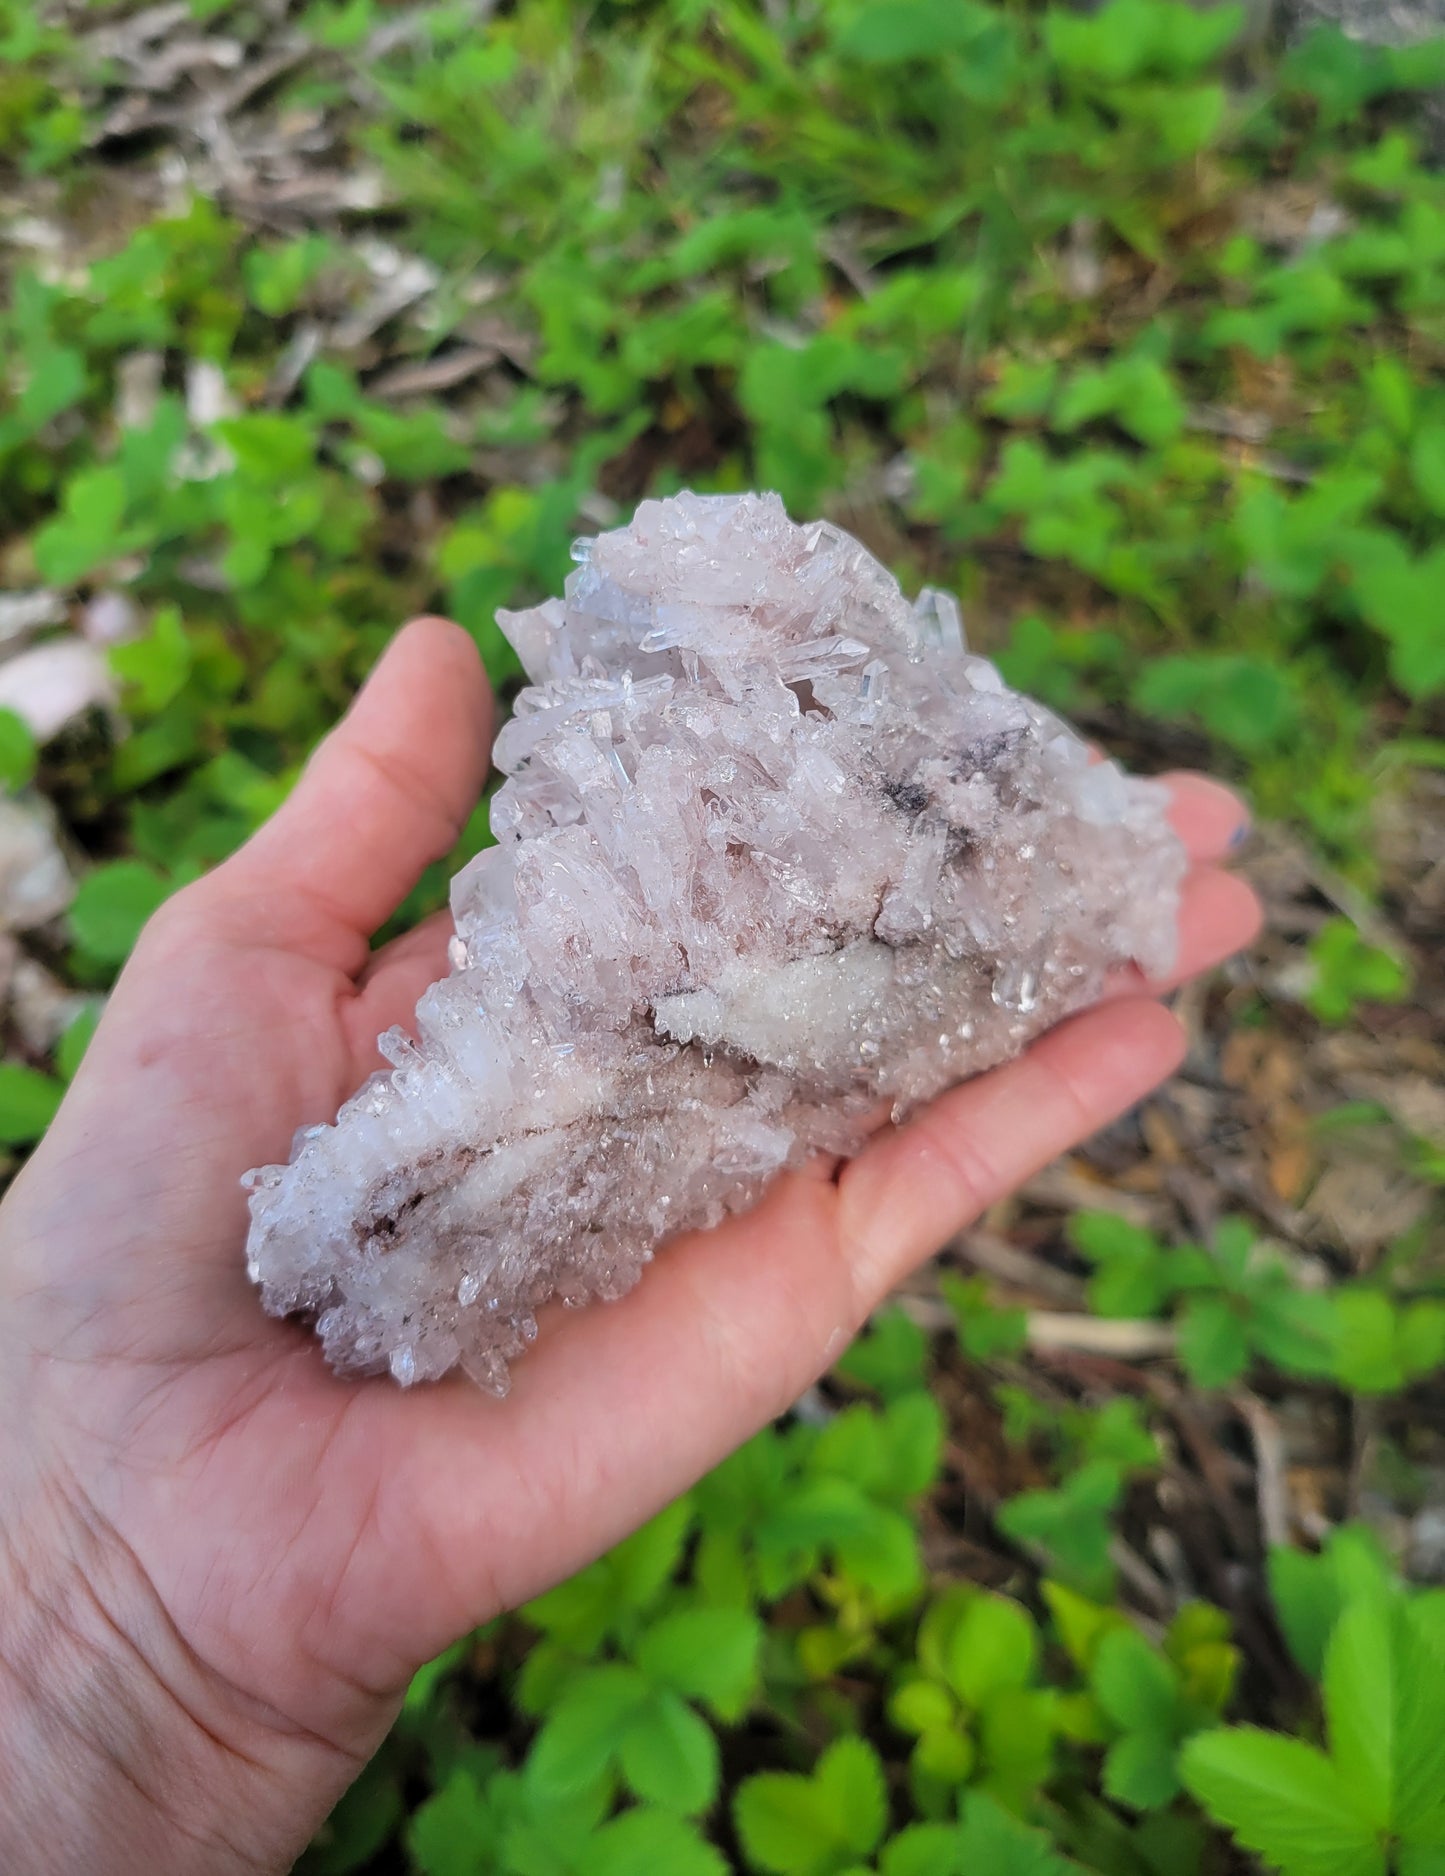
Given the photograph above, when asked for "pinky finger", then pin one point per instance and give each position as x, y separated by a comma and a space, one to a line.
916, 1186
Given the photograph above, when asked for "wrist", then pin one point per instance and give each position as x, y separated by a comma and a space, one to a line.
120, 1750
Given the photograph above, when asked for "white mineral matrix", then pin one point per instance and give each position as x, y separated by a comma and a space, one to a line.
773, 849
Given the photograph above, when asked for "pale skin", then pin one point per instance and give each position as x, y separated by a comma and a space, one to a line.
219, 1563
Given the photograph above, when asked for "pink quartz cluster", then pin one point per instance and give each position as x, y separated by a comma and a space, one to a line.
773, 847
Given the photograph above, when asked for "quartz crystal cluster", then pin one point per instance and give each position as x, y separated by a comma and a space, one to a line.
774, 854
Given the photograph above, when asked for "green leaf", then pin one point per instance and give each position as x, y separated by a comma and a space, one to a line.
891, 1357
415, 447
1197, 1643
1016, 1743
985, 1331
945, 1756
155, 668
1309, 1591
669, 1755
1024, 389
269, 449
993, 1842
362, 1823
584, 1729
652, 1841
922, 1850
1137, 392
1393, 393
1360, 1700
994, 1645
57, 380
277, 278
422, 1687
1420, 1860
1342, 73
784, 1826
454, 1832
543, 1831
1132, 1272
921, 1706
722, 1570
816, 1826
1426, 1617
1380, 1347
579, 1611
28, 1101
850, 1780
707, 1654
1213, 1341
881, 1554
1420, 1338
1348, 971
643, 1564
888, 32
819, 1511
18, 753
1419, 1749
88, 530
851, 1445
1293, 543
111, 906
626, 1582
1295, 1329
1081, 1624
1141, 1770
911, 1430
1071, 1524
1134, 1684
1243, 701
1284, 1800
1400, 597
1427, 465
1116, 1435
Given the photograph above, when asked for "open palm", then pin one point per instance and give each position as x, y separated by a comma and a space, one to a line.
279, 1548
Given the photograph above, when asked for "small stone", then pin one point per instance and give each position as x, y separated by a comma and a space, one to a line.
52, 684
42, 1008
110, 619
775, 854
36, 883
22, 614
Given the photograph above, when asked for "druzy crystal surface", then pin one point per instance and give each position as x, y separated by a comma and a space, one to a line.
774, 853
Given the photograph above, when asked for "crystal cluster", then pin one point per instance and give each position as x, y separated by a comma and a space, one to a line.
774, 853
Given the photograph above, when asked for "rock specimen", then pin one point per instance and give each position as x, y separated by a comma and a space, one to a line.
773, 850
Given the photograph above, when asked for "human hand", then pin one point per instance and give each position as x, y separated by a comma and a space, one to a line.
222, 1562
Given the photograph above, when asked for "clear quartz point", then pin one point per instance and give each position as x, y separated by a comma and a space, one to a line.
775, 855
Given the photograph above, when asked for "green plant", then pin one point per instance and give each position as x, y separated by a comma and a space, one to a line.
1348, 971
1372, 1799
28, 1100
487, 1819
985, 1331
1095, 1455
1240, 1305
1240, 1299
816, 1825
1382, 1343
973, 1700
633, 1718
1159, 1700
